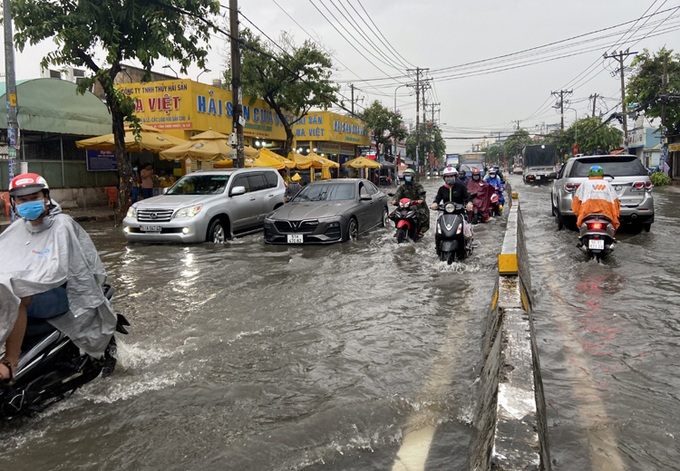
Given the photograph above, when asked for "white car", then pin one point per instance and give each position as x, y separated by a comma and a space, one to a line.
208, 206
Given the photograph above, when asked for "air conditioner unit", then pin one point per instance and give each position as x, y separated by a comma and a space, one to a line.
50, 73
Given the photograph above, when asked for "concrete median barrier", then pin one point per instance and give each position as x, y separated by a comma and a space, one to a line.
510, 422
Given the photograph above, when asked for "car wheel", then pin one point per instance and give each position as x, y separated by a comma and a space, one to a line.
647, 227
385, 217
217, 233
352, 230
559, 219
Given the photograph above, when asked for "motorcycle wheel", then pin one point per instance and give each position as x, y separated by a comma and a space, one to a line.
401, 235
448, 257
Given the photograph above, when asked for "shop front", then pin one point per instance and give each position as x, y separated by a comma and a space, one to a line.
184, 108
331, 135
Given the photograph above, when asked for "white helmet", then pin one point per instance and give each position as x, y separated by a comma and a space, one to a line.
450, 172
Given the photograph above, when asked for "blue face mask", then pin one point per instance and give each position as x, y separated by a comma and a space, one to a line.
31, 210
408, 179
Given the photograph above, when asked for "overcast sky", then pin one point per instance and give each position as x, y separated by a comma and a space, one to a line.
466, 45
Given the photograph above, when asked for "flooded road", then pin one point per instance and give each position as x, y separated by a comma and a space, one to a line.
253, 357
608, 336
247, 356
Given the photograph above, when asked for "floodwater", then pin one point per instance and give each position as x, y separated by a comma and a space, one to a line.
608, 336
253, 357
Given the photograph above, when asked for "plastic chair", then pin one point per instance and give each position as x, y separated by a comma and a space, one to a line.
112, 193
4, 197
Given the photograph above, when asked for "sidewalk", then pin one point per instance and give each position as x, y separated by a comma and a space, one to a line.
95, 213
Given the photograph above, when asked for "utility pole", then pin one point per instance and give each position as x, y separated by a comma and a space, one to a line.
560, 104
236, 92
418, 71
664, 99
13, 133
351, 87
594, 98
621, 56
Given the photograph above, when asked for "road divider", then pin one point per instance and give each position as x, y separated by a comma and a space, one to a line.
510, 422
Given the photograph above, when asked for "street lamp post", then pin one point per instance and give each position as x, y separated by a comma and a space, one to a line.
201, 72
394, 139
575, 129
173, 70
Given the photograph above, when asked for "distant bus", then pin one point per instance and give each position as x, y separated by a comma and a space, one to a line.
452, 160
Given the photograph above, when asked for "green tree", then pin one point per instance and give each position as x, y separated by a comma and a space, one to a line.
146, 31
591, 135
495, 153
429, 138
290, 79
385, 124
645, 86
517, 141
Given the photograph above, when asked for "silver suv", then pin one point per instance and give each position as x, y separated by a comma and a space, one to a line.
628, 177
207, 206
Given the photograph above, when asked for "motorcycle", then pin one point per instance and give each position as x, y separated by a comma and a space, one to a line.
51, 367
450, 239
405, 219
596, 236
497, 202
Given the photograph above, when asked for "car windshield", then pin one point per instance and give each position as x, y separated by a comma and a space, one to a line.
612, 165
326, 192
199, 185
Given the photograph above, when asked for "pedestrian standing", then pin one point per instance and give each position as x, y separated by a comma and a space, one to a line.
135, 185
293, 187
147, 180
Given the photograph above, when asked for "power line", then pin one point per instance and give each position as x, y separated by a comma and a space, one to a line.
386, 42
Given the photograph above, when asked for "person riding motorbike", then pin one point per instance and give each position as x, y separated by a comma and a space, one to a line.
50, 270
413, 190
452, 189
481, 202
496, 182
596, 196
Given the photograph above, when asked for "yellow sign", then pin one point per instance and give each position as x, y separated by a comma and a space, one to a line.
331, 127
12, 99
185, 105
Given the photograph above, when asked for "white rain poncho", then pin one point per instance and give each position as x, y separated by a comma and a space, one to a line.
36, 259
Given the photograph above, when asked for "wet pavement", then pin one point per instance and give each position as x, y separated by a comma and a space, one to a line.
247, 356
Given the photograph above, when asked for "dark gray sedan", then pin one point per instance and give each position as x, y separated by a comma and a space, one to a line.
328, 211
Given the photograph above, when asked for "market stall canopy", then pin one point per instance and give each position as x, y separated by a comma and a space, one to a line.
250, 151
273, 155
303, 162
150, 140
267, 158
206, 146
362, 162
327, 163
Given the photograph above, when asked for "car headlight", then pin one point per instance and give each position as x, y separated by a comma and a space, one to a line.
189, 211
132, 212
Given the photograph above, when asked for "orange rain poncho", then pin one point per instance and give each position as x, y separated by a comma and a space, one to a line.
596, 196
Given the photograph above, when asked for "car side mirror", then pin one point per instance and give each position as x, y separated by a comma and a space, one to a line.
165, 190
552, 175
365, 197
238, 190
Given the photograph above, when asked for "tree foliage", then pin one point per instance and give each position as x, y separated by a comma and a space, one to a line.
495, 153
385, 124
100, 34
429, 138
645, 86
517, 141
290, 79
591, 135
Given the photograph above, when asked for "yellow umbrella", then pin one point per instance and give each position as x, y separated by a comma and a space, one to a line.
362, 162
303, 162
271, 154
150, 139
327, 163
250, 151
206, 146
264, 160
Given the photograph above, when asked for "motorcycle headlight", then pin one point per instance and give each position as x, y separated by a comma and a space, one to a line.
449, 208
189, 211
132, 212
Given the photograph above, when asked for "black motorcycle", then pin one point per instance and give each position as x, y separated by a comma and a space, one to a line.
51, 367
449, 239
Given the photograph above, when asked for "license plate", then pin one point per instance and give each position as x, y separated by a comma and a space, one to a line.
295, 238
538, 177
150, 228
596, 244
